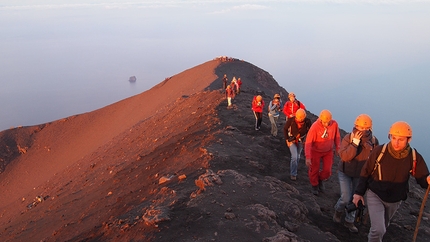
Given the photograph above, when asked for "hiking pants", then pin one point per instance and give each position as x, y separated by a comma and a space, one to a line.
258, 119
315, 173
273, 121
347, 187
295, 150
380, 214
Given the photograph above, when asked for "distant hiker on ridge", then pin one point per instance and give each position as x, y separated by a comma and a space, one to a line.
257, 108
224, 82
291, 106
233, 85
355, 149
385, 178
230, 95
239, 84
274, 109
322, 140
295, 131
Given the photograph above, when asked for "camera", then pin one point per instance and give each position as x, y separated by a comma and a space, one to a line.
351, 206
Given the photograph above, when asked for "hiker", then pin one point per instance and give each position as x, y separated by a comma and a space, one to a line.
224, 82
229, 94
355, 149
257, 108
274, 109
322, 137
295, 131
233, 85
385, 175
292, 105
239, 84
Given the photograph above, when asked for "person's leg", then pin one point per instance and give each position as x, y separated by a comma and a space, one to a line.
299, 150
275, 127
314, 169
390, 210
229, 101
345, 193
260, 119
327, 159
273, 124
377, 216
293, 163
256, 120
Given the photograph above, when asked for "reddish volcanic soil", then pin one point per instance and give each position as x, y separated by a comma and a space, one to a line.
172, 164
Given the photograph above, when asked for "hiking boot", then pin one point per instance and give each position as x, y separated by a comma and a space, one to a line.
315, 190
351, 227
337, 217
293, 178
321, 186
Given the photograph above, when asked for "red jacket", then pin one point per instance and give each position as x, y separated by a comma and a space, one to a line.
290, 108
321, 139
257, 107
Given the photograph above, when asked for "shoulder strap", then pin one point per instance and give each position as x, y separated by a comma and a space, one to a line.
377, 165
414, 162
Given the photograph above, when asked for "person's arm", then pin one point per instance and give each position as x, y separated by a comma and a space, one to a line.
421, 171
348, 150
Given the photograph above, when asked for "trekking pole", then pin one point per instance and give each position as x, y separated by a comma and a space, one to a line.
421, 213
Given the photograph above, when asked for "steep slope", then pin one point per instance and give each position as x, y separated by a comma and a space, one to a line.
170, 164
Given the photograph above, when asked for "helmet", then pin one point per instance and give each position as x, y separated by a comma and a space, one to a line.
363, 120
325, 116
401, 128
277, 96
228, 86
291, 94
300, 114
259, 98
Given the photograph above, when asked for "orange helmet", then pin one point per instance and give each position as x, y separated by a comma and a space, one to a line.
400, 128
259, 98
325, 116
363, 120
300, 114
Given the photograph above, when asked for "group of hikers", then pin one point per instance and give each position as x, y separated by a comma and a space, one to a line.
370, 174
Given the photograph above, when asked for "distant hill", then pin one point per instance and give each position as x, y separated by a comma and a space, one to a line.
172, 164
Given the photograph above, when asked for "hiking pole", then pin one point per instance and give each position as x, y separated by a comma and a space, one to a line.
421, 213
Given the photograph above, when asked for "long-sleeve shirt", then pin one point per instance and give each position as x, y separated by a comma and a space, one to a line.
353, 157
257, 106
322, 139
292, 128
290, 108
394, 185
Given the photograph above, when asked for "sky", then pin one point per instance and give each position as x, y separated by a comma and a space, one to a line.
61, 58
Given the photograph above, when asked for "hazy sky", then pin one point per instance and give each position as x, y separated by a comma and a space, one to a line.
351, 57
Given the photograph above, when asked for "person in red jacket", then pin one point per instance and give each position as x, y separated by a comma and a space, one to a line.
292, 105
239, 84
322, 138
257, 108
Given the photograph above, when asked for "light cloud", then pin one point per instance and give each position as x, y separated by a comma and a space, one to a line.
240, 4
245, 7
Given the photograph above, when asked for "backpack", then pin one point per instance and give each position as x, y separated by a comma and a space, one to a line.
378, 166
